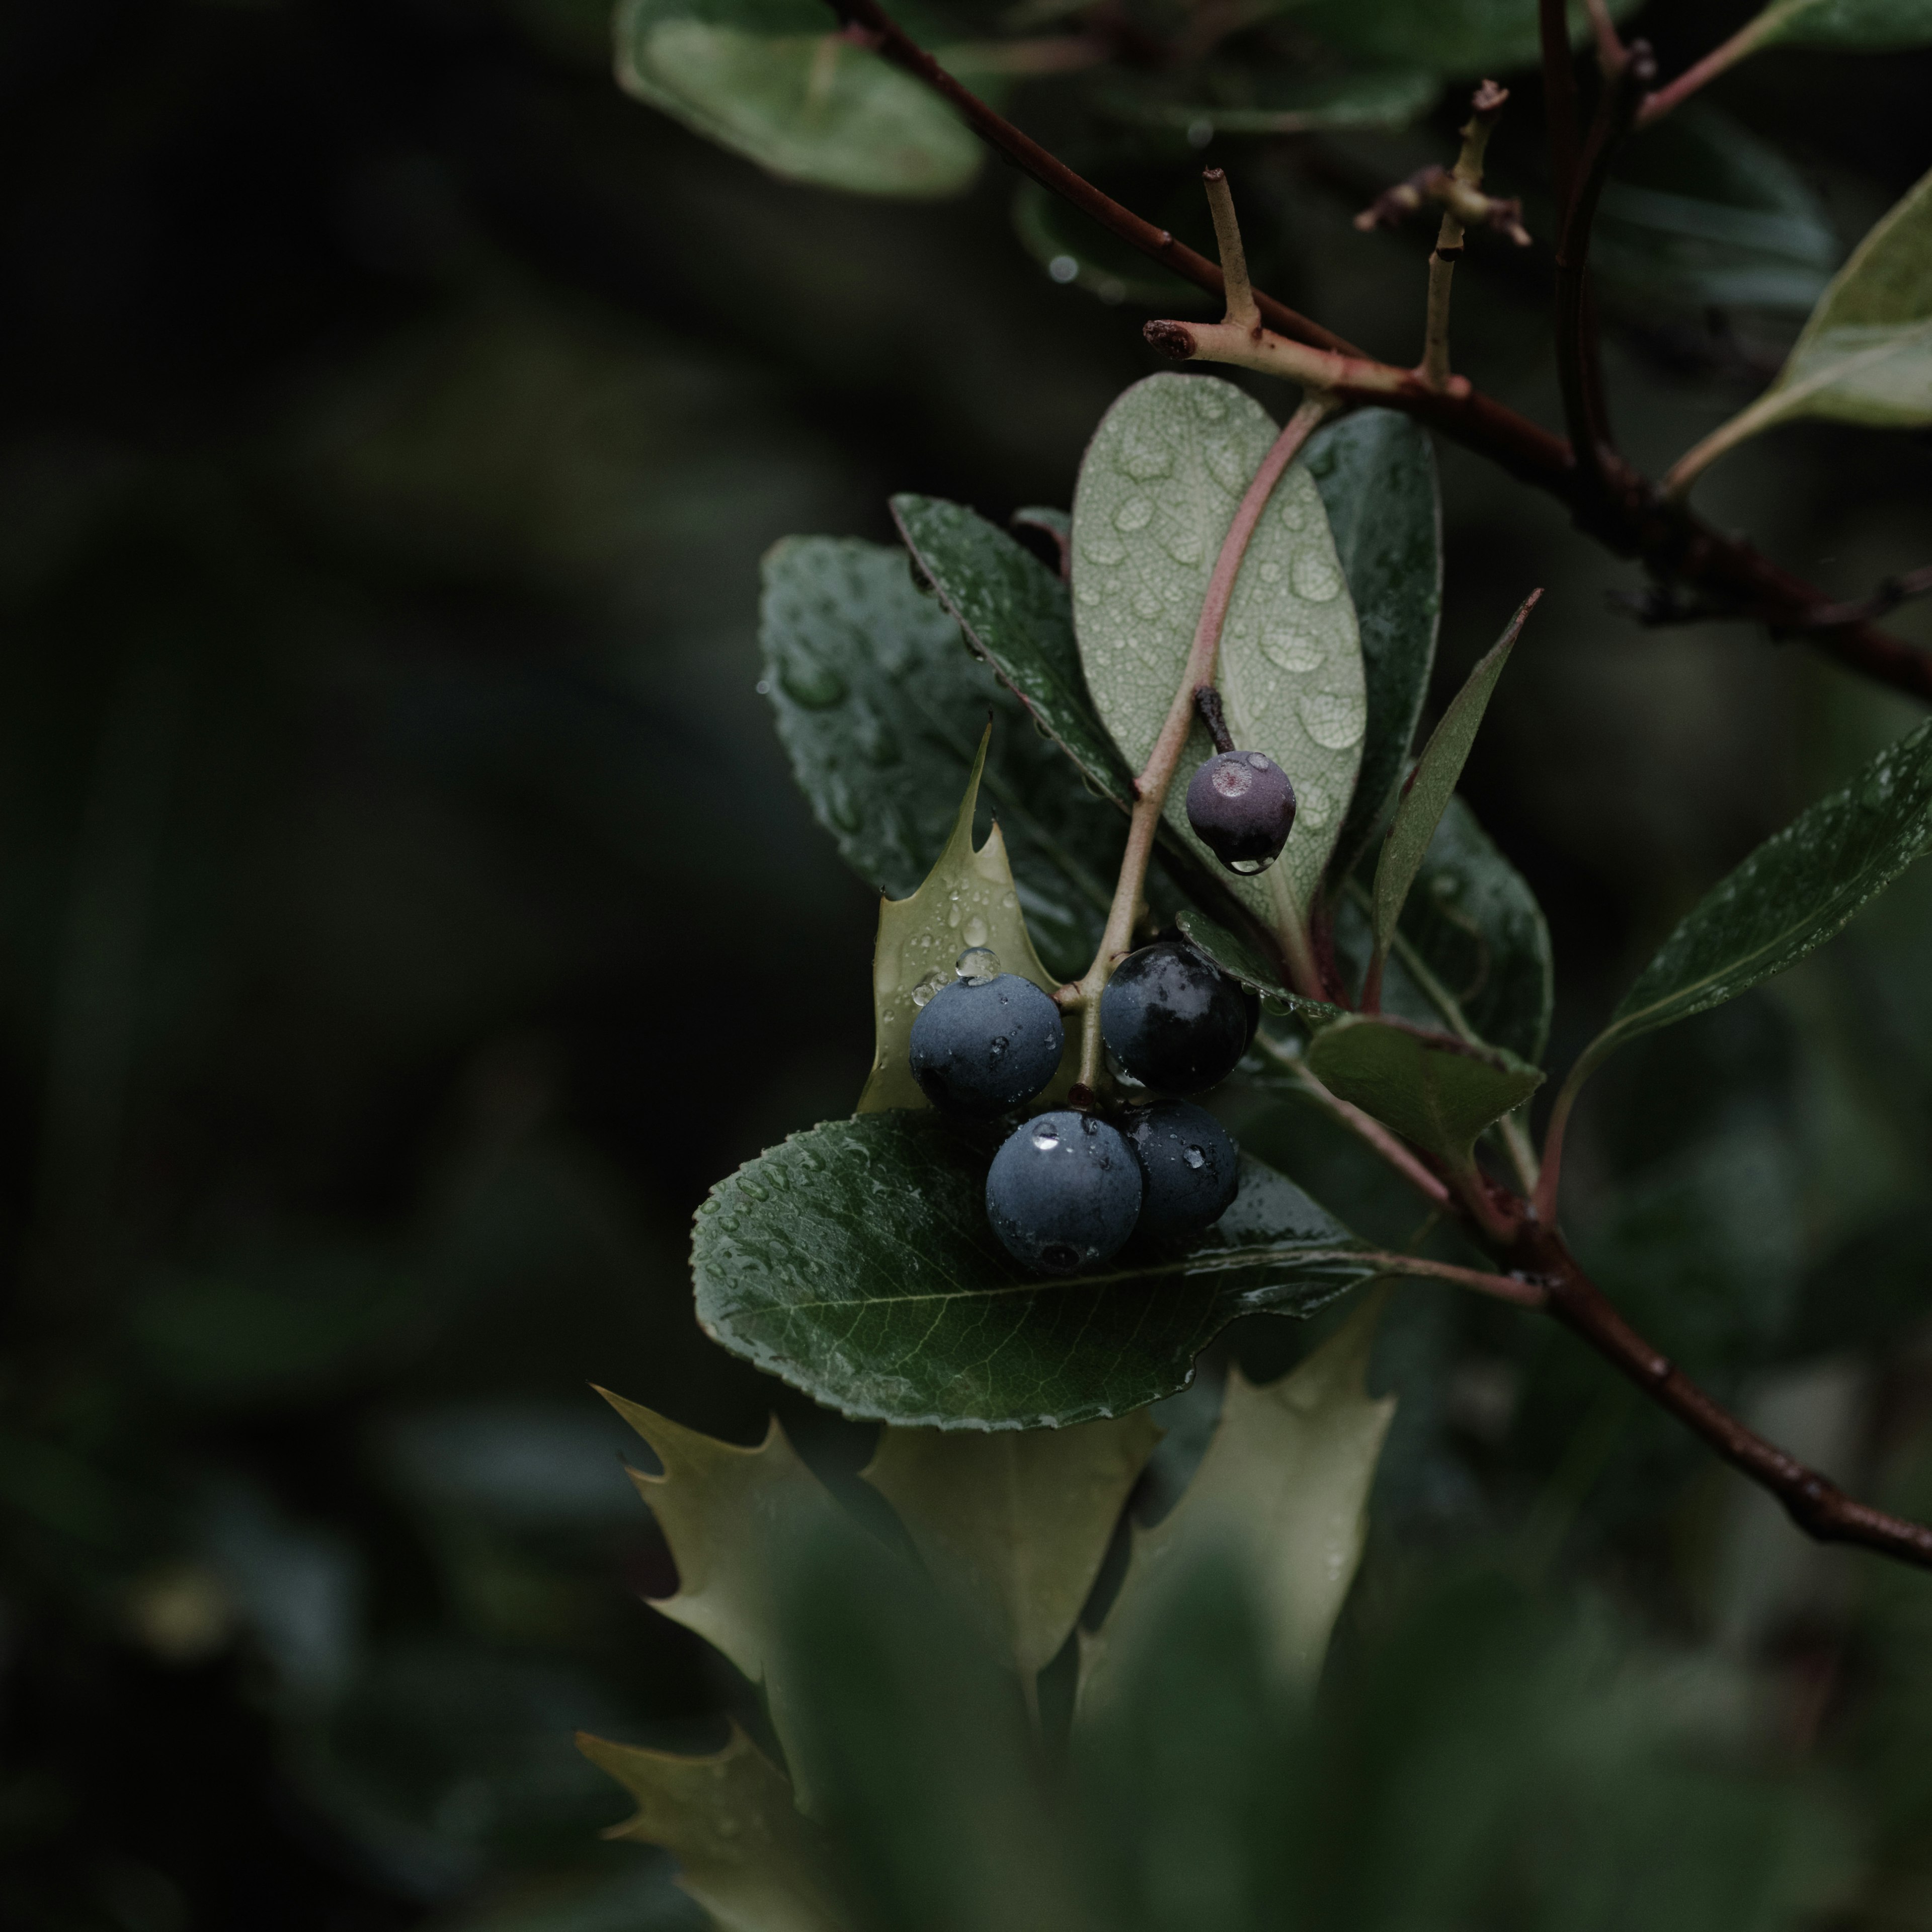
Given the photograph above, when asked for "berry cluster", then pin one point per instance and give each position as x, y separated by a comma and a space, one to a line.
1066, 1189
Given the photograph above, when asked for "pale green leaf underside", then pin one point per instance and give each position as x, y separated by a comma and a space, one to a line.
1871, 24
1794, 891
1158, 490
774, 84
855, 1261
1436, 1093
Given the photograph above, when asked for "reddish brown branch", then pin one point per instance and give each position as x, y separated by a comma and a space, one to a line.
1559, 97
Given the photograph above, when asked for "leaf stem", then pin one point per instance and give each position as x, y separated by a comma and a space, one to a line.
1747, 39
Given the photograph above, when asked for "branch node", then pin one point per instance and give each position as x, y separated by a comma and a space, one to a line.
1239, 296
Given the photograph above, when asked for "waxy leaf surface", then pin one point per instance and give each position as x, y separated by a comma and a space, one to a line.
772, 81
855, 1261
1158, 489
881, 708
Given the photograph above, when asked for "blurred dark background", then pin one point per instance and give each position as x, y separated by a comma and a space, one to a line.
406, 913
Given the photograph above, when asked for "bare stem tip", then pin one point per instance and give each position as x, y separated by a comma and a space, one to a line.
1174, 339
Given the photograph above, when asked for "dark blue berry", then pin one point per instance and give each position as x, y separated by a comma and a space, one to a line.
1063, 1191
1174, 1020
1242, 808
1189, 1169
982, 1047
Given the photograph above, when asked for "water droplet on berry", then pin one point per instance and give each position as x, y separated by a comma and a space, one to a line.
1194, 1156
1046, 1138
1255, 759
997, 1045
1248, 867
977, 964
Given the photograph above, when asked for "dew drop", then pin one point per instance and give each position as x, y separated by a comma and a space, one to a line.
1146, 604
1046, 1138
996, 1047
1315, 576
977, 935
751, 1190
1144, 458
1084, 592
1291, 647
953, 914
1258, 761
1248, 867
978, 964
1270, 572
1333, 719
1009, 901
1099, 548
1136, 513
1209, 405
1194, 1156
1314, 805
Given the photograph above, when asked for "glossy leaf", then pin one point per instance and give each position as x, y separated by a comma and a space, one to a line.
881, 709
1433, 783
1284, 1490
1235, 956
855, 1261
1464, 39
769, 80
1014, 1524
1797, 889
1437, 1093
1871, 24
1376, 472
1158, 490
743, 1850
968, 899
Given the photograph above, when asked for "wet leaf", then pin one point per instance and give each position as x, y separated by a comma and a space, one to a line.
769, 80
881, 708
1284, 1490
1376, 473
1235, 956
743, 1851
1437, 1093
855, 1261
1433, 783
1872, 24
968, 899
1158, 490
1014, 1524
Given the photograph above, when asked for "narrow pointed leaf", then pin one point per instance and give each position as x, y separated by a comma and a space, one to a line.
1433, 783
855, 1261
743, 1850
1437, 1093
1283, 1489
968, 899
1158, 490
1014, 1525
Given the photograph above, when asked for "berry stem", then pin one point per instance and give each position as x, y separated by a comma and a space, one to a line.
1208, 702
1486, 105
1157, 775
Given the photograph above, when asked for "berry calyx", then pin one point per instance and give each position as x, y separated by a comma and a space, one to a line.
1173, 1019
1242, 808
983, 1046
1063, 1191
1190, 1169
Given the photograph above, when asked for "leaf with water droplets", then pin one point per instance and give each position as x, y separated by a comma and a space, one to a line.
1158, 489
855, 1261
967, 901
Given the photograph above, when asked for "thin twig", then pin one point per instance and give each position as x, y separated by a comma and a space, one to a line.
1559, 99
1890, 593
1241, 310
1484, 107
1720, 60
1610, 51
1524, 1293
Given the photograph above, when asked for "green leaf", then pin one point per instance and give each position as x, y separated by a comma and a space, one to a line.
743, 1851
769, 79
968, 899
1872, 24
1702, 214
1799, 888
855, 1261
1235, 956
881, 709
1432, 783
1014, 1524
1283, 1488
1239, 99
1158, 490
1437, 1092
1376, 473
1463, 39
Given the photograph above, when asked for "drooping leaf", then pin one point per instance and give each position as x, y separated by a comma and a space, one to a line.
1463, 39
1799, 888
1234, 955
1436, 1092
1376, 472
1702, 214
1238, 98
770, 80
743, 1851
1284, 1490
968, 899
1871, 25
881, 708
1433, 783
855, 1261
1157, 492
1014, 1524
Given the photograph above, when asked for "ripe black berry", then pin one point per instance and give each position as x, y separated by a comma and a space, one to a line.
1189, 1169
1242, 808
1063, 1191
981, 1046
1174, 1020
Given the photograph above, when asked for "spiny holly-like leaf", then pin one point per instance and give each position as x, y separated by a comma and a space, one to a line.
1800, 887
968, 899
743, 1850
1872, 24
1158, 490
881, 708
1234, 955
1376, 473
1014, 1524
1437, 1092
1432, 783
855, 1261
770, 80
1284, 1488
